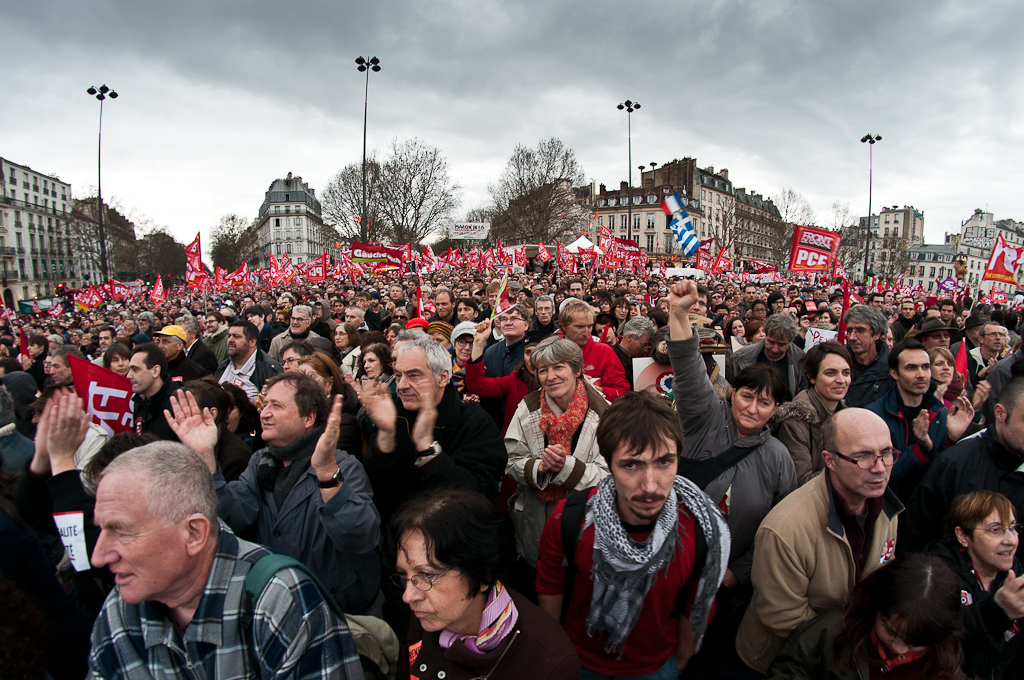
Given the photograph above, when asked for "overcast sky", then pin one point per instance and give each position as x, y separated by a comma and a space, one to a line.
219, 98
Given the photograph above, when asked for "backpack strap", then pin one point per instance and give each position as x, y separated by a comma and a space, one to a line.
572, 519
703, 472
268, 565
700, 556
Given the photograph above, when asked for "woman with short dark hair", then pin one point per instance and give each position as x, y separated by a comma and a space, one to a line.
797, 423
980, 543
450, 551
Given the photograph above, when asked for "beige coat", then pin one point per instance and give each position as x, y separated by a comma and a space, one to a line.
803, 566
525, 444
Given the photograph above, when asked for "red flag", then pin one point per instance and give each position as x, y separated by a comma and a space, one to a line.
195, 275
1003, 262
542, 253
22, 342
961, 359
157, 295
841, 337
503, 303
107, 395
35, 307
218, 282
55, 310
722, 262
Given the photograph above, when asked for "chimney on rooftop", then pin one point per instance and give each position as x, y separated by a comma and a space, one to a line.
724, 173
604, 189
289, 176
710, 169
623, 186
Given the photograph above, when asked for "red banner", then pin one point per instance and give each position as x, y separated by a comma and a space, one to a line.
759, 267
722, 262
318, 269
813, 249
369, 252
107, 395
542, 253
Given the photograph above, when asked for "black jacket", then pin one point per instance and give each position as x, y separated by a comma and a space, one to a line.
37, 372
201, 353
626, 359
265, 368
977, 462
149, 413
184, 369
872, 381
987, 652
473, 455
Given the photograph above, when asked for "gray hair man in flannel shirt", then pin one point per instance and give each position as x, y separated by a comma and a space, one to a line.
179, 609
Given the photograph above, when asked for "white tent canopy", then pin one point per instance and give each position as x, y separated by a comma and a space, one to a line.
582, 243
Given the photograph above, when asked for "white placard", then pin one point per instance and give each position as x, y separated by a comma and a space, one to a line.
469, 230
71, 526
816, 335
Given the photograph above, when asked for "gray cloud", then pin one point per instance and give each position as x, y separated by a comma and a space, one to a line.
219, 98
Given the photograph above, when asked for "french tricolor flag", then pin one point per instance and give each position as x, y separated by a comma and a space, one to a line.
673, 203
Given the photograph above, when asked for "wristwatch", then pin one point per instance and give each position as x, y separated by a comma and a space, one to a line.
331, 483
432, 450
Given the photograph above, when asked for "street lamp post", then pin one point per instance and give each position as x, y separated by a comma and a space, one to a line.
102, 93
367, 65
870, 140
629, 107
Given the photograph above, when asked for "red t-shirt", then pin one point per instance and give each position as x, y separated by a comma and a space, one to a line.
653, 639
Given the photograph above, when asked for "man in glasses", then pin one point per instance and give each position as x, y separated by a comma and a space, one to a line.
865, 332
824, 537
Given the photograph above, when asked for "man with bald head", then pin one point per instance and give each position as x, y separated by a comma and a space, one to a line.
824, 537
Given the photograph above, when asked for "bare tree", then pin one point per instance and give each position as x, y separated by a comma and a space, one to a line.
533, 198
160, 253
416, 194
409, 195
893, 256
341, 202
225, 250
793, 209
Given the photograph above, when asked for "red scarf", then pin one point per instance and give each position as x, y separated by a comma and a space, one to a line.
560, 430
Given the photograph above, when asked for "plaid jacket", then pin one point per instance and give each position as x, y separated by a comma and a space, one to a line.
292, 632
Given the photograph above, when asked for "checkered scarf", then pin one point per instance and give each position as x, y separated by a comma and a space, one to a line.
624, 570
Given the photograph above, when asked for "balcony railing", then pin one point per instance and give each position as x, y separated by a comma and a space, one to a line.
7, 251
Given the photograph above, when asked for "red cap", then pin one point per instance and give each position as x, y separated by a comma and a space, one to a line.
417, 323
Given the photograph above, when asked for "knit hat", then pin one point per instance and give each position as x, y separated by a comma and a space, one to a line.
417, 322
22, 388
464, 328
441, 327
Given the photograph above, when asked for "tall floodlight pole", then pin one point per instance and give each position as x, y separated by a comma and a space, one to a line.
367, 65
102, 93
629, 107
870, 140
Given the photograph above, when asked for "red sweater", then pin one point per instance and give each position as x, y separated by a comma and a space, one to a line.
510, 386
654, 638
599, 361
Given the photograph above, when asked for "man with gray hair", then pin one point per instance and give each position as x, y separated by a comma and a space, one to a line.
427, 437
195, 349
355, 315
298, 329
544, 315
777, 349
865, 338
180, 601
637, 340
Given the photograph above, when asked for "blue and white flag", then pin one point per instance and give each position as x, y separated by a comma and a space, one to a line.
682, 227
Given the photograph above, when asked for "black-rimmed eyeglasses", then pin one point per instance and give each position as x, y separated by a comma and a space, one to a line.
419, 581
867, 461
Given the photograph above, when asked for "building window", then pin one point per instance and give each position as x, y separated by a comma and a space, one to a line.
298, 221
636, 221
650, 220
931, 272
277, 221
623, 221
650, 242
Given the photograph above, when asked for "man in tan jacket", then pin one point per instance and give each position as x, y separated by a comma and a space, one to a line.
816, 544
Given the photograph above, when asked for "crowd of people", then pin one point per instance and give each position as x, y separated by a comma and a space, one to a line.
453, 478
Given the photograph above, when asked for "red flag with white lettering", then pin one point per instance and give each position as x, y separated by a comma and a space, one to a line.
157, 295
107, 395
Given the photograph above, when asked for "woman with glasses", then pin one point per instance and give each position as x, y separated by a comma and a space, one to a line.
980, 543
451, 548
903, 623
346, 340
